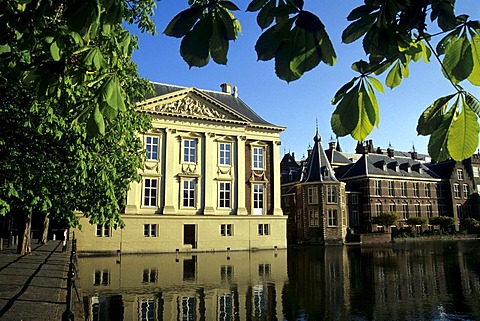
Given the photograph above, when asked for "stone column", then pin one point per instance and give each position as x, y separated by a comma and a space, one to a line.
240, 177
171, 155
210, 160
277, 205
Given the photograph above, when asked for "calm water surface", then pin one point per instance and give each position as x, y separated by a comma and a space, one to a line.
408, 281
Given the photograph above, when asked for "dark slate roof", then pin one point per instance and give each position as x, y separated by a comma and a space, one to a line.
226, 98
443, 169
382, 165
318, 167
336, 157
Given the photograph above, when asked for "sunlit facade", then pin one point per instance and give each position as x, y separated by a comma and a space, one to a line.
211, 180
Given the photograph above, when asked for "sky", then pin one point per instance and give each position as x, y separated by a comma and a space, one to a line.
300, 104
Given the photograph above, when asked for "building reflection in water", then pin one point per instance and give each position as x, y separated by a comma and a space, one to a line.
203, 286
421, 281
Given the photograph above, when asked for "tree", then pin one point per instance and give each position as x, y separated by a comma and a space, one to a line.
416, 221
470, 224
394, 35
385, 219
70, 144
443, 221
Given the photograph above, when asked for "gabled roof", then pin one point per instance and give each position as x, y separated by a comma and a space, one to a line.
383, 165
336, 157
443, 169
318, 167
228, 106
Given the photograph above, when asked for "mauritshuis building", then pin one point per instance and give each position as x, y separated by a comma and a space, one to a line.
211, 180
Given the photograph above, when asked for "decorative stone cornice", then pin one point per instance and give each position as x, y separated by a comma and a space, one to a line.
188, 106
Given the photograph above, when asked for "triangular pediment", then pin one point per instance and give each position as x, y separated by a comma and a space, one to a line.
191, 103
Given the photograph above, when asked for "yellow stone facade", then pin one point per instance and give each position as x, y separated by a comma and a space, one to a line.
211, 181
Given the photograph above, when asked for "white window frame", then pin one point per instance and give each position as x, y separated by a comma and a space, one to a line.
258, 198
391, 188
429, 210
460, 175
103, 231
428, 190
189, 189
405, 211
152, 146
377, 186
416, 189
150, 230
312, 195
226, 229
332, 195
264, 229
456, 190
403, 187
103, 277
225, 195
418, 209
392, 207
332, 217
152, 199
224, 154
189, 150
258, 157
465, 190
313, 218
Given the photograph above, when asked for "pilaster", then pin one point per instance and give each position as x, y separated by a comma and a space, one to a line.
277, 205
240, 181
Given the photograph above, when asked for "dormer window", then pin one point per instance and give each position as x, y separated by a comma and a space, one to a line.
460, 174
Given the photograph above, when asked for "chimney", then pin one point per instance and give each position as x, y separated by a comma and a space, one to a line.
226, 87
390, 150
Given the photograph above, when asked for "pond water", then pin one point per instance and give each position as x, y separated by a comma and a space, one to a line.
435, 280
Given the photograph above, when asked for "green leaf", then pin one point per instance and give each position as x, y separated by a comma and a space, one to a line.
195, 46
111, 93
228, 29
437, 144
358, 28
394, 77
474, 76
218, 43
373, 101
337, 126
269, 41
55, 51
265, 16
348, 111
342, 91
94, 58
183, 22
360, 12
229, 5
455, 51
96, 123
376, 83
432, 117
463, 134
256, 5
473, 103
367, 116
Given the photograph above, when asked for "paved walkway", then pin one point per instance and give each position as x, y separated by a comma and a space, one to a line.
33, 287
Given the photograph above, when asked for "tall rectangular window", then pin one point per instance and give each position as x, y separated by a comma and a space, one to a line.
428, 191
312, 195
403, 187
313, 218
459, 211
189, 193
377, 187
150, 192
416, 189
405, 211
378, 209
332, 217
429, 210
258, 190
418, 212
456, 190
151, 144
465, 191
332, 194
189, 150
355, 218
150, 230
224, 193
460, 174
392, 207
224, 153
354, 199
226, 229
263, 229
258, 157
391, 188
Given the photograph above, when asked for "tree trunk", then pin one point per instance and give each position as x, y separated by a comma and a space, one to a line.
46, 224
25, 242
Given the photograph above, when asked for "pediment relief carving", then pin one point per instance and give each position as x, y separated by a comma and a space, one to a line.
191, 107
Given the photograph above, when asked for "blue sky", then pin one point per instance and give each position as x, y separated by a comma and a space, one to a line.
298, 104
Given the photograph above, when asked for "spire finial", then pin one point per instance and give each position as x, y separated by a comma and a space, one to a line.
316, 126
